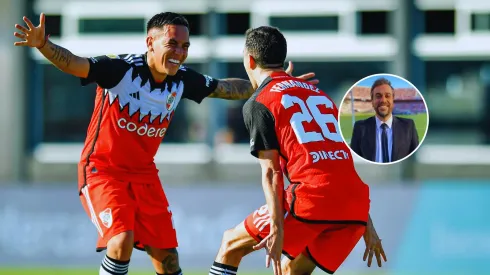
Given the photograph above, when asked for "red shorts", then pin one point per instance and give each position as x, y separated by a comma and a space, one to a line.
116, 206
328, 245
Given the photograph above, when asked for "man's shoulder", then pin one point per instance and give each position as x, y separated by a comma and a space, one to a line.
120, 62
184, 69
364, 122
403, 120
256, 105
129, 58
251, 103
184, 72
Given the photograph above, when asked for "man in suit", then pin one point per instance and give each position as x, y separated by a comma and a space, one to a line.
384, 137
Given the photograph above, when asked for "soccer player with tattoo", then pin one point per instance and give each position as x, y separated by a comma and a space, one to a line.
136, 98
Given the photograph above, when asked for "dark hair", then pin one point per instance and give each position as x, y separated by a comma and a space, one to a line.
166, 18
267, 45
379, 82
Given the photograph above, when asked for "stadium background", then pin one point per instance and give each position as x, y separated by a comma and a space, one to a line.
430, 210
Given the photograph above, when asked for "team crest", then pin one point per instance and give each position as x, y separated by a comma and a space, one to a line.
113, 56
171, 100
106, 217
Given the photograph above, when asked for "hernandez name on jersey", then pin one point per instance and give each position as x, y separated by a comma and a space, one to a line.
300, 121
132, 111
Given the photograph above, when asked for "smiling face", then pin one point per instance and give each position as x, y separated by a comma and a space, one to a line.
382, 100
168, 48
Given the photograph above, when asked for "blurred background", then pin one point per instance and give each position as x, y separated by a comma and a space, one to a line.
431, 210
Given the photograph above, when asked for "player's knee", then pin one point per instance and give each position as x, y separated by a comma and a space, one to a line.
231, 244
120, 246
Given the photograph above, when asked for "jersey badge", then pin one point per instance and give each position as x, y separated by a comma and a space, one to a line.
171, 100
106, 217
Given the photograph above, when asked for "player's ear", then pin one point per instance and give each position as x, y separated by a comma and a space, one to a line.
149, 43
252, 62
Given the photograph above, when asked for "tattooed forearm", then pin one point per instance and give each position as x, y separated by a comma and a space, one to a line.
170, 263
64, 60
60, 55
233, 88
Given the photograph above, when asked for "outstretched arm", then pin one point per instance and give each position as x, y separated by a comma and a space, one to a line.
66, 61
233, 88
60, 57
236, 88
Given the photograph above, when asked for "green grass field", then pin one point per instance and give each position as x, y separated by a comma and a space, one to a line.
17, 271
346, 124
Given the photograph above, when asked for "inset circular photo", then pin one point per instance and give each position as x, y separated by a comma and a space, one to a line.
383, 118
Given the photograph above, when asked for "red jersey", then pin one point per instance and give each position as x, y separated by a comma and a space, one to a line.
300, 121
132, 113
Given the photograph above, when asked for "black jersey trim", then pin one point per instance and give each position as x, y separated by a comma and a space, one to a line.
293, 213
318, 264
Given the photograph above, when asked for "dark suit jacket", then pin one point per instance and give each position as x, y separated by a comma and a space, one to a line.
405, 138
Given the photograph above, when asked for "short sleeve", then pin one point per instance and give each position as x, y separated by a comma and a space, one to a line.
197, 86
106, 71
260, 124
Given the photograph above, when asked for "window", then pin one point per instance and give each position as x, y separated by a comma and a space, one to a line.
454, 95
306, 23
237, 23
439, 21
53, 25
111, 25
67, 106
373, 22
480, 22
196, 21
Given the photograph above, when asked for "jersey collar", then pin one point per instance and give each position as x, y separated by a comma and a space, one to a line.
272, 76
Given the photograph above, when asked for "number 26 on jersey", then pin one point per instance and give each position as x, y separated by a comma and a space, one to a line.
309, 111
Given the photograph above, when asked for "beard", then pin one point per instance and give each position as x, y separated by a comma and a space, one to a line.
383, 113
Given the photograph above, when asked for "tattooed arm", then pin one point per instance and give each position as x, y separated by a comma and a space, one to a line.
233, 88
236, 88
64, 60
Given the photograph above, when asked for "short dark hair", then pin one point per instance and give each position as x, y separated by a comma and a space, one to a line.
379, 82
267, 45
166, 18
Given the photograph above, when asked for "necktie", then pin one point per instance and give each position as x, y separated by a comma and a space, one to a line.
384, 143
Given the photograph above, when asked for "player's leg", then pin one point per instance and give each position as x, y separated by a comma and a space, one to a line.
154, 228
239, 241
235, 244
165, 261
330, 249
301, 265
110, 206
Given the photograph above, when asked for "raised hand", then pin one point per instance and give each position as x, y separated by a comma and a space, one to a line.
306, 76
32, 36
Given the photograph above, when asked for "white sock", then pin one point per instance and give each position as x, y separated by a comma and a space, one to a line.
111, 266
